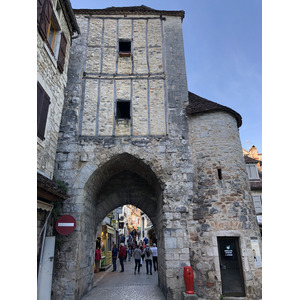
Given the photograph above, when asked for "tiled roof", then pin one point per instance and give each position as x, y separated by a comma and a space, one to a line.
201, 105
250, 160
132, 10
50, 187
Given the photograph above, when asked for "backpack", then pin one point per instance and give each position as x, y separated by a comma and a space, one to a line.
148, 253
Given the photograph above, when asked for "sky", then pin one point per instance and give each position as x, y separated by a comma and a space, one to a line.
223, 53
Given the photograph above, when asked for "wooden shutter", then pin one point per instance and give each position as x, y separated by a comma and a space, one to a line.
257, 204
45, 18
39, 9
62, 53
43, 102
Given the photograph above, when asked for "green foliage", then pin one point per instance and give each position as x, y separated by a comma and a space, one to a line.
62, 186
56, 210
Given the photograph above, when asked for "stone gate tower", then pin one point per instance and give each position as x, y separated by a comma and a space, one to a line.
131, 133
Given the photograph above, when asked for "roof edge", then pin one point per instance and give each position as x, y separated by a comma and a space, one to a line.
70, 12
201, 105
133, 10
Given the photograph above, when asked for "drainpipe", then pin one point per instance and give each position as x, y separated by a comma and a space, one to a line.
43, 244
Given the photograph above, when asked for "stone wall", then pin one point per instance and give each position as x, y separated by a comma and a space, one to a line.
83, 153
221, 206
53, 82
109, 77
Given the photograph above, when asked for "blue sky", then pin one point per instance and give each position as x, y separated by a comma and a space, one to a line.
223, 53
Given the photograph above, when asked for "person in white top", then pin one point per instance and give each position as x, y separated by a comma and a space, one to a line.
154, 255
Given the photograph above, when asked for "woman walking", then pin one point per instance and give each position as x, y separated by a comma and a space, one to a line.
114, 257
148, 258
137, 255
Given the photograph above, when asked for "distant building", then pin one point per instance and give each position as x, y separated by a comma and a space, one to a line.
253, 162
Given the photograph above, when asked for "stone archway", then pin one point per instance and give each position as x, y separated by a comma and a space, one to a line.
124, 179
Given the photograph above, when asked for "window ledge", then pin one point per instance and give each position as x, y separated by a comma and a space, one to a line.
124, 54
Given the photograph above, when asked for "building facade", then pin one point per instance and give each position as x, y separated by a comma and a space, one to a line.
56, 25
253, 161
131, 133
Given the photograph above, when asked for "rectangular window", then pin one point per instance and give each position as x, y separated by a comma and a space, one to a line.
252, 171
124, 48
220, 174
43, 102
51, 35
123, 109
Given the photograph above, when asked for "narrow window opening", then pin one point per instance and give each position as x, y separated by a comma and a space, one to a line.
124, 48
123, 110
220, 174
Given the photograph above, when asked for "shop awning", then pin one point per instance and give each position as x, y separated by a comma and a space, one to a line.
110, 229
44, 205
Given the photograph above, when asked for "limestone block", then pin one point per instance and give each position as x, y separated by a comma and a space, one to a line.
93, 58
90, 108
125, 29
109, 63
139, 107
95, 32
155, 60
110, 33
154, 33
106, 107
170, 243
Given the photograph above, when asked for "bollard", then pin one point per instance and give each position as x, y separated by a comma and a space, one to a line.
188, 279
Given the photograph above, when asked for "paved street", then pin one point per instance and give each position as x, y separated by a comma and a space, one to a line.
115, 285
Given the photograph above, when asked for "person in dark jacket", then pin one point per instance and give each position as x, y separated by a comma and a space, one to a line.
122, 255
114, 254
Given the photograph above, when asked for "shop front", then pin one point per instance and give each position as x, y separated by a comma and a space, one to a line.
106, 245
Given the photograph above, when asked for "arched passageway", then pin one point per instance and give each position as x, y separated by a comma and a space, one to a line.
122, 180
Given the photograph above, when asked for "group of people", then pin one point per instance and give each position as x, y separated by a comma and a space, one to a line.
139, 252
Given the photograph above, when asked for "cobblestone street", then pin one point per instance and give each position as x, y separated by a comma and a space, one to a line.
115, 285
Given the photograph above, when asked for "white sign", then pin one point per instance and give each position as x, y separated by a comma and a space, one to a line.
256, 253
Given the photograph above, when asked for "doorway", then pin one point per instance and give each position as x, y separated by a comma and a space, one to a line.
231, 267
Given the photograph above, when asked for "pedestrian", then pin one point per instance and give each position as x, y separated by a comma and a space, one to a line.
97, 259
122, 255
146, 240
144, 246
154, 254
137, 255
148, 258
129, 253
143, 255
114, 255
125, 259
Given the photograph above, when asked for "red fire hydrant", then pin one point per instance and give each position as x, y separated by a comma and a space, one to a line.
188, 279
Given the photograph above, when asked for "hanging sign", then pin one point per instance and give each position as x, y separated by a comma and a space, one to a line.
65, 225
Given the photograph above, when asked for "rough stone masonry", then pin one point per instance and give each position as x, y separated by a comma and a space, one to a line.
130, 134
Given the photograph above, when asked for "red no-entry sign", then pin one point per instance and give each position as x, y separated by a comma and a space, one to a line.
65, 225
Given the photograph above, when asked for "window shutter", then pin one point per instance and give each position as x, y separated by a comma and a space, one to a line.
39, 9
43, 102
257, 204
45, 18
62, 53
